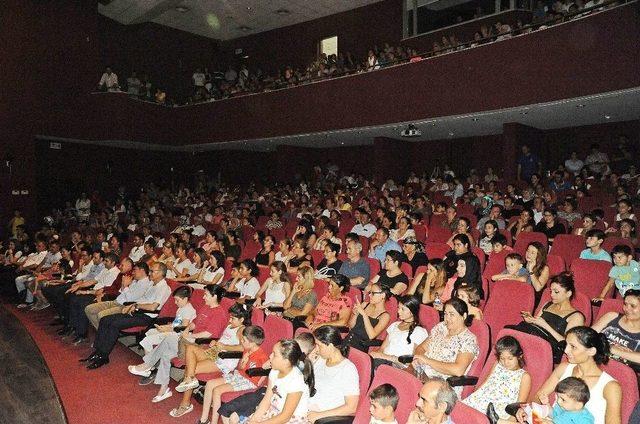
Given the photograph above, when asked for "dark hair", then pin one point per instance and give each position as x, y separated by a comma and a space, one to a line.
594, 232
241, 311
564, 280
219, 257
183, 292
282, 267
511, 345
334, 247
181, 245
254, 271
151, 242
590, 338
112, 256
541, 257
498, 238
622, 248
515, 256
328, 334
575, 388
385, 395
306, 339
461, 308
396, 256
291, 351
632, 292
216, 291
464, 239
254, 334
341, 281
412, 303
201, 254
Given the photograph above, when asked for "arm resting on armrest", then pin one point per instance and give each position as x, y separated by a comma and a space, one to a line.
204, 340
258, 372
230, 355
344, 419
405, 359
462, 381
164, 320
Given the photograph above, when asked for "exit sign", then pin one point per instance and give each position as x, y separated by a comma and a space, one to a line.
55, 145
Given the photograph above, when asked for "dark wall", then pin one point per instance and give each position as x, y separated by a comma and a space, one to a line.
297, 45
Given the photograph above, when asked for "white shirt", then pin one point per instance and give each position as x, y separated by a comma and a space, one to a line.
291, 383
248, 288
158, 293
137, 252
398, 345
180, 266
330, 395
106, 277
110, 81
35, 258
198, 79
366, 230
184, 313
574, 166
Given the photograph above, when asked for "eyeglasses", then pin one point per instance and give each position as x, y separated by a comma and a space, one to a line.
376, 292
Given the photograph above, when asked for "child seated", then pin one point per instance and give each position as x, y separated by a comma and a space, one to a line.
384, 401
572, 394
625, 273
237, 380
184, 316
594, 250
499, 243
471, 296
514, 269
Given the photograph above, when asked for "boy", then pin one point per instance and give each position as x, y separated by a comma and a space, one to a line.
515, 269
499, 243
571, 395
625, 273
384, 401
594, 250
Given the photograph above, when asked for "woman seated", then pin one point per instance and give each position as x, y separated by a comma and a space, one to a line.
234, 277
331, 399
556, 316
206, 324
330, 265
524, 224
490, 229
391, 276
204, 359
192, 272
588, 223
167, 255
451, 348
284, 250
248, 286
414, 251
404, 230
467, 273
536, 258
212, 271
266, 255
182, 267
302, 299
429, 285
232, 248
403, 336
299, 255
149, 256
369, 319
586, 352
274, 221
334, 309
623, 330
507, 382
470, 296
462, 227
276, 289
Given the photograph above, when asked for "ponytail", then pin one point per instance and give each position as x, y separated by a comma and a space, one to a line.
291, 351
307, 373
412, 303
331, 335
590, 338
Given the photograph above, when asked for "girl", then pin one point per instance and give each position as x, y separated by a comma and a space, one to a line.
182, 266
490, 229
429, 285
470, 296
507, 382
536, 257
191, 271
302, 299
284, 250
276, 289
266, 255
291, 383
248, 286
213, 271
391, 276
368, 319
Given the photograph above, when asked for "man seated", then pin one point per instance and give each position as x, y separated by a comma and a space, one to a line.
140, 313
355, 268
364, 227
137, 251
25, 272
435, 403
381, 244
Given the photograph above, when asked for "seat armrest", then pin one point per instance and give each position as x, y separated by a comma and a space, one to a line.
258, 372
463, 380
343, 329
405, 359
596, 302
179, 329
232, 295
373, 343
275, 308
341, 419
230, 355
204, 340
164, 320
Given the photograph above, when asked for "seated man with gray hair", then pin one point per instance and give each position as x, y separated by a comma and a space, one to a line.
435, 403
355, 268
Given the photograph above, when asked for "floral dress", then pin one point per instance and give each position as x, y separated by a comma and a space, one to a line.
501, 388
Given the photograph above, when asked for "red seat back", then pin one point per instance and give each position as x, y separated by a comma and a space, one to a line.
609, 305
278, 233
374, 267
590, 276
482, 257
407, 270
436, 249
421, 232
275, 329
362, 361
611, 242
264, 272
437, 234
428, 317
250, 250
318, 256
527, 237
556, 264
321, 287
508, 298
465, 414
568, 246
407, 386
483, 334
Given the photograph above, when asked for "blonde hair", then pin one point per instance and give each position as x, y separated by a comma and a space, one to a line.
307, 276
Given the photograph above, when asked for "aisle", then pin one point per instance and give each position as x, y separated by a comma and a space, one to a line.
108, 395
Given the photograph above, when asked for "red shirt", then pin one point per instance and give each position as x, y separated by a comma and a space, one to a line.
211, 320
329, 309
255, 360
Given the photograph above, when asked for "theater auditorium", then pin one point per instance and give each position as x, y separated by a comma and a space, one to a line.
320, 211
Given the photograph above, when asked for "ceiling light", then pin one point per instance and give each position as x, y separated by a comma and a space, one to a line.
580, 105
248, 7
475, 119
523, 113
450, 134
182, 9
244, 28
282, 12
607, 116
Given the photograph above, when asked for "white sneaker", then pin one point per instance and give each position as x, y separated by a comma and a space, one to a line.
187, 385
159, 398
133, 369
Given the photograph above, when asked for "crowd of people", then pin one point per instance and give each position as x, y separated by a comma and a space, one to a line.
331, 254
214, 84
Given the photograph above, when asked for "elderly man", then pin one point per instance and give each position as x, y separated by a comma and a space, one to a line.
381, 244
140, 313
355, 268
435, 403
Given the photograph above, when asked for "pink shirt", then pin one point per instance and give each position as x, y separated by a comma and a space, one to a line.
448, 288
328, 309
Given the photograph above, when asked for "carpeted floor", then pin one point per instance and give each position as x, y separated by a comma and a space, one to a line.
108, 395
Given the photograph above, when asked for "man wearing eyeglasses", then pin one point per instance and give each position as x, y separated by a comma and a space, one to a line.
435, 403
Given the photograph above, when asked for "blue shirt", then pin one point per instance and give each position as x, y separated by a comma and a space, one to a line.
562, 416
528, 165
380, 251
95, 270
602, 255
626, 277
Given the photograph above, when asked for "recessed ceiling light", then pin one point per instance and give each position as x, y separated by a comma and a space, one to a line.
450, 134
523, 113
182, 9
607, 116
580, 105
282, 12
248, 7
433, 124
475, 119
244, 28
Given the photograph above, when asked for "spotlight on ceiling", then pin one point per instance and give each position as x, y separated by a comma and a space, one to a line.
607, 116
411, 131
580, 106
